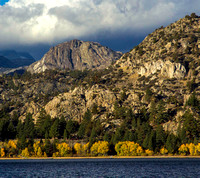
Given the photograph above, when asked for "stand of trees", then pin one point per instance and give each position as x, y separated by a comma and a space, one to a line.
143, 130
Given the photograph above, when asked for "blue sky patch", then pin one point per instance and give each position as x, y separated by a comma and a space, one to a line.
2, 2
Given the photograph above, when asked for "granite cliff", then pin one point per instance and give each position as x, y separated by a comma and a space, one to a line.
77, 55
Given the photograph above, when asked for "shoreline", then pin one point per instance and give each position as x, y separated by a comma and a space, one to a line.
101, 157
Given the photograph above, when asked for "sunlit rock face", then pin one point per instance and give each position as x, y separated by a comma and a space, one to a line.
77, 55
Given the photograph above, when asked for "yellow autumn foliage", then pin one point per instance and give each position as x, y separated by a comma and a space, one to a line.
36, 147
86, 148
11, 144
183, 150
189, 149
128, 148
3, 152
78, 148
149, 152
39, 152
45, 155
10, 148
25, 153
163, 151
100, 148
63, 149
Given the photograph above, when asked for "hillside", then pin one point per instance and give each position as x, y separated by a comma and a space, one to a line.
5, 63
151, 95
76, 55
10, 61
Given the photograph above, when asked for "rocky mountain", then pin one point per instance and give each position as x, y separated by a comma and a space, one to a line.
159, 80
17, 59
5, 63
76, 54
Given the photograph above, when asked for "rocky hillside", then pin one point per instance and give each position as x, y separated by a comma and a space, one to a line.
159, 80
171, 52
17, 59
76, 54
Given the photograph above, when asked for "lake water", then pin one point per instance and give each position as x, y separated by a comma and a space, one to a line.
155, 167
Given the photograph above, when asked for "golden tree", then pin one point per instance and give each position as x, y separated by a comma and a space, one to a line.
39, 152
64, 149
149, 152
163, 151
128, 148
11, 148
78, 148
86, 148
100, 148
3, 154
25, 152
183, 150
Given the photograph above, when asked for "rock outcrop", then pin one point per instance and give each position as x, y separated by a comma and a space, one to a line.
166, 69
76, 54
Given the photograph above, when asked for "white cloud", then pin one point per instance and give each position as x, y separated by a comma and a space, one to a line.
47, 21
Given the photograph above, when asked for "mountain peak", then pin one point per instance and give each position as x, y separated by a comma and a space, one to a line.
76, 54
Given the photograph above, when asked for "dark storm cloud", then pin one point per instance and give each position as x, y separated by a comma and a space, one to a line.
32, 22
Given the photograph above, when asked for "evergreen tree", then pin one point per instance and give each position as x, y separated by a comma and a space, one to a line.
93, 135
70, 127
117, 136
54, 131
4, 129
145, 143
20, 129
40, 123
47, 126
29, 127
171, 143
142, 131
161, 115
190, 125
85, 126
65, 136
48, 148
11, 131
126, 136
62, 126
152, 142
107, 137
160, 138
132, 136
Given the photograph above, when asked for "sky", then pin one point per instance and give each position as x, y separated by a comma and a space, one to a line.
36, 25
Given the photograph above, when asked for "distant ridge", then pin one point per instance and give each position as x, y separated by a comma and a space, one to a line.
16, 59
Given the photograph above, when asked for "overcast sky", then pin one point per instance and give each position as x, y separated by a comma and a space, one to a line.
35, 25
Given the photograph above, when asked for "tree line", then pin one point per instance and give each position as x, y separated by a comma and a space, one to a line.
143, 129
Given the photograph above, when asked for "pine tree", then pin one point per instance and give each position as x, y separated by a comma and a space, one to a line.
54, 131
171, 143
160, 138
11, 131
29, 127
126, 136
93, 135
106, 137
62, 126
152, 142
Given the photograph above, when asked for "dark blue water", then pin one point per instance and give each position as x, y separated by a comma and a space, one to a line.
101, 168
